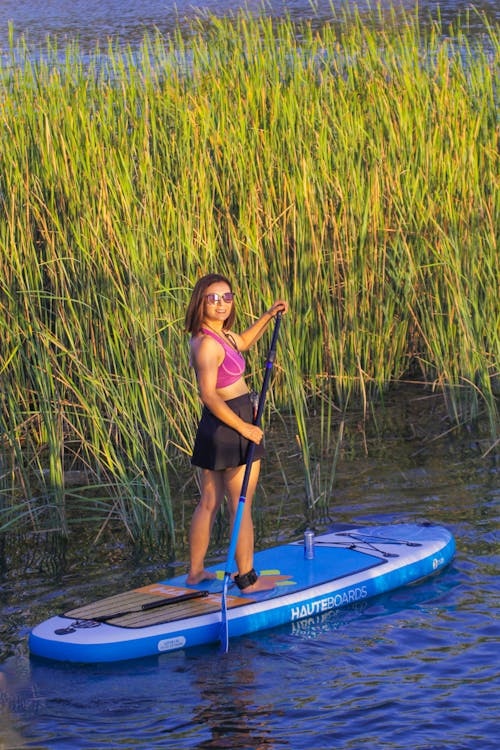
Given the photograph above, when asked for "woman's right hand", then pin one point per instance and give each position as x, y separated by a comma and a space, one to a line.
252, 432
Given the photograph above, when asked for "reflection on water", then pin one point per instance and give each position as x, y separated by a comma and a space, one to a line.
90, 20
228, 716
416, 665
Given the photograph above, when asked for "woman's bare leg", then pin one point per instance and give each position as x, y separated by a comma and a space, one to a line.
245, 544
212, 495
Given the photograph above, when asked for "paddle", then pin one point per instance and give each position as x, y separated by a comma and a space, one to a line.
241, 503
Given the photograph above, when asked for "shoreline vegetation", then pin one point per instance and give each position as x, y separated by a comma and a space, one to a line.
353, 169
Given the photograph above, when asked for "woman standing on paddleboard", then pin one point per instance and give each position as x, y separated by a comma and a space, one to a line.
226, 425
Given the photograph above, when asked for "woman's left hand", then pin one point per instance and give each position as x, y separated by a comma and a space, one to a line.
253, 334
280, 306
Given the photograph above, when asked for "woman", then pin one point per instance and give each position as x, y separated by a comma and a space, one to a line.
226, 425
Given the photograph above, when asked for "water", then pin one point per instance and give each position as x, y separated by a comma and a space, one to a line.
90, 20
417, 667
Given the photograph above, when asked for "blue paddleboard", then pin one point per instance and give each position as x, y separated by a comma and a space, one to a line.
346, 566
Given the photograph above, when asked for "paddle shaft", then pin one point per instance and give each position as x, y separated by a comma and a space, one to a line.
246, 477
251, 448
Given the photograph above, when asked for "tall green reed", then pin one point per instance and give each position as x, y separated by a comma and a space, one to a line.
353, 169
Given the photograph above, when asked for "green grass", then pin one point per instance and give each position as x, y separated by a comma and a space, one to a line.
353, 170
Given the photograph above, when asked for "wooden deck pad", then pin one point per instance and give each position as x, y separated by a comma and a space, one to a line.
132, 616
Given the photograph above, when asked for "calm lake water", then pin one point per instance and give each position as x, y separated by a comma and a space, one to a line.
89, 20
417, 667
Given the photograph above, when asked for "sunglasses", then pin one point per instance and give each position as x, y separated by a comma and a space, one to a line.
212, 299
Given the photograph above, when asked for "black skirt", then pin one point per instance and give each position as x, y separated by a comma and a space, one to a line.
218, 446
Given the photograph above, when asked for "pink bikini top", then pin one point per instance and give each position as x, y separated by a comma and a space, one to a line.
232, 366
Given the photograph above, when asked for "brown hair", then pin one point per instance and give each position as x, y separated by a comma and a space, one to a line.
196, 307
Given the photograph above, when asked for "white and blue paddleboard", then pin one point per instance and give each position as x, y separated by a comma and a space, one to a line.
347, 566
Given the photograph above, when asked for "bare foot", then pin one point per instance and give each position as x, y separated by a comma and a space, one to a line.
261, 584
203, 575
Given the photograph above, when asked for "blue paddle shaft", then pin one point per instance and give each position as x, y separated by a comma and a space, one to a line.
251, 449
248, 468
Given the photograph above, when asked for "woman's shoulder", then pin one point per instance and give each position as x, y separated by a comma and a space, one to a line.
204, 344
